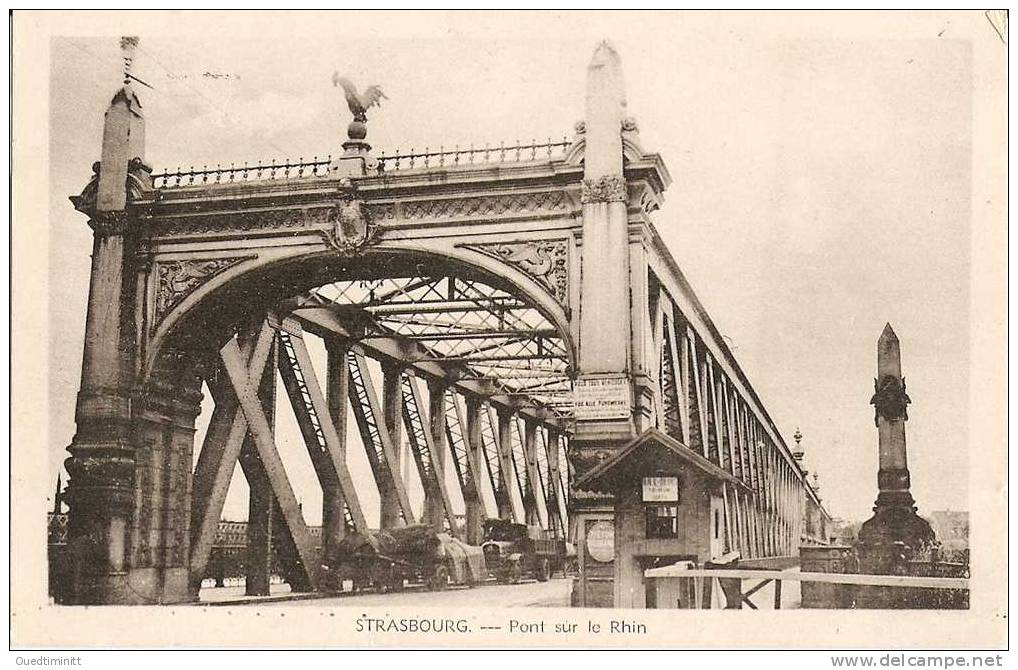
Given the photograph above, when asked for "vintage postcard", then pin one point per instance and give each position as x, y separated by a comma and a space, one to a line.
534, 329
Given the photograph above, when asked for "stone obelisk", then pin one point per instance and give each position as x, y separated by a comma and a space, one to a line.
604, 334
895, 532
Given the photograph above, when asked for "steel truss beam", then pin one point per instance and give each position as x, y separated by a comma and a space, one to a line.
219, 454
330, 323
699, 404
422, 430
489, 444
456, 321
375, 435
244, 387
464, 448
325, 446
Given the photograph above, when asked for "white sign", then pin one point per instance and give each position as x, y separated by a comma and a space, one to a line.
601, 541
660, 489
602, 398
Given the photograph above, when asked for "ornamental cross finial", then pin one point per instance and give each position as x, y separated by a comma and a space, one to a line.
128, 44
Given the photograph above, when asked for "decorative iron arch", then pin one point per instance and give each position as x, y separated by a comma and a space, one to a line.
206, 317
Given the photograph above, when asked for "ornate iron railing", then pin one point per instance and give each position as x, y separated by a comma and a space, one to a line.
286, 169
514, 153
290, 169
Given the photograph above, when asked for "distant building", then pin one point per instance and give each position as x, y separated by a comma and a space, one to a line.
952, 529
846, 532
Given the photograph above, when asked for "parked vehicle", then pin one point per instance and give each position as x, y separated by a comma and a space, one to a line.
388, 560
514, 551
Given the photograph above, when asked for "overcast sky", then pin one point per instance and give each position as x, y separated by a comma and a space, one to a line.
822, 182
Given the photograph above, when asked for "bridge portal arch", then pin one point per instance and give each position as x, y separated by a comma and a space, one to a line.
249, 281
214, 276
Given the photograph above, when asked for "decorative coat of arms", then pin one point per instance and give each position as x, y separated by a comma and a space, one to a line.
351, 227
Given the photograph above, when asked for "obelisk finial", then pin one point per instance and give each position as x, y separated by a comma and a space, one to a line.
888, 353
606, 107
123, 137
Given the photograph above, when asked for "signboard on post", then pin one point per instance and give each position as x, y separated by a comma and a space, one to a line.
661, 489
601, 398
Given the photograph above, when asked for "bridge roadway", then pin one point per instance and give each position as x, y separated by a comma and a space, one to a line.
553, 593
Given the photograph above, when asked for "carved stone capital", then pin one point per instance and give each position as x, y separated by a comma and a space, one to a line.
609, 188
106, 224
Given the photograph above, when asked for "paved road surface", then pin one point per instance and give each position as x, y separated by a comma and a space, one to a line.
553, 593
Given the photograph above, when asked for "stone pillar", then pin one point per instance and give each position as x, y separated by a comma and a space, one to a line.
604, 339
101, 488
606, 328
392, 416
890, 402
894, 532
604, 310
336, 392
472, 496
164, 416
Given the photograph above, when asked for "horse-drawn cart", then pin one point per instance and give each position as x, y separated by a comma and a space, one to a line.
388, 560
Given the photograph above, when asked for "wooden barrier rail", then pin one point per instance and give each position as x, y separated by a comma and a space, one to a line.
826, 577
733, 578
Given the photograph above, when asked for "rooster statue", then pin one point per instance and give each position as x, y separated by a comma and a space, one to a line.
359, 103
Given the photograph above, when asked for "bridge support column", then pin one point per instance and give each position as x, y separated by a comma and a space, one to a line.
392, 413
472, 498
434, 509
257, 564
337, 390
554, 487
164, 428
262, 515
504, 439
530, 503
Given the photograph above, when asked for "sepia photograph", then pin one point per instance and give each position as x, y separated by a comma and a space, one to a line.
511, 327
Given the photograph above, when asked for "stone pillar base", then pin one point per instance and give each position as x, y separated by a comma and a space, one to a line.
892, 529
140, 586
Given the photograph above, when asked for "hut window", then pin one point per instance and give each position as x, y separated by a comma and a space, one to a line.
662, 521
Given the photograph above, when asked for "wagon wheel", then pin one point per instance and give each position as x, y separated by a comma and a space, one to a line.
543, 570
515, 573
439, 578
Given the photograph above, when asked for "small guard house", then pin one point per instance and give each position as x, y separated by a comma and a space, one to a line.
669, 507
